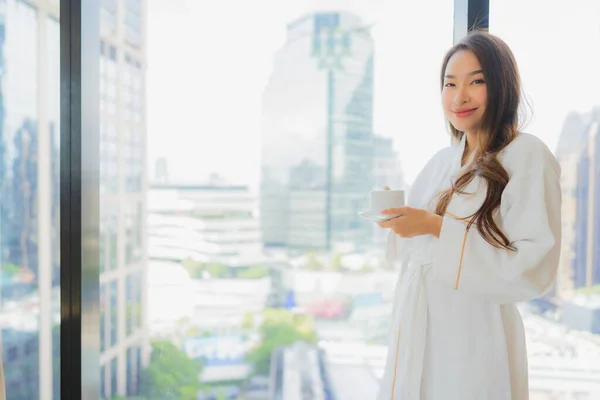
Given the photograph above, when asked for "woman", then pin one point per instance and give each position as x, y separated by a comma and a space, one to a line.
481, 232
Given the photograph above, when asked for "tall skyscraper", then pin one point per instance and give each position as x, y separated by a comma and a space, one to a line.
124, 338
317, 157
579, 155
29, 197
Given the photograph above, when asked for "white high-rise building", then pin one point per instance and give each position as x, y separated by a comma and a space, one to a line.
124, 339
204, 223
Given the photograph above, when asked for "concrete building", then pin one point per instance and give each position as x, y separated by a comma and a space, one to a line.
123, 187
204, 223
578, 154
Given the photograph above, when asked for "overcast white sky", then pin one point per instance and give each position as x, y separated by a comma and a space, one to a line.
208, 62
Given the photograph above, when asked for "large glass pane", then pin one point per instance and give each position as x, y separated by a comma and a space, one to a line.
554, 44
239, 142
29, 198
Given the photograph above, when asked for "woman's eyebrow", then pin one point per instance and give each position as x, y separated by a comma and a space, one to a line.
469, 74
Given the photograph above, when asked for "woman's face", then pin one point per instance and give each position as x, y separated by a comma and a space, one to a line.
464, 94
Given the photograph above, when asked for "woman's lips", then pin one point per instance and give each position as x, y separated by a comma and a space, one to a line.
465, 113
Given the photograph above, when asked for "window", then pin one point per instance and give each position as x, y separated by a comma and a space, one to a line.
323, 110
108, 17
114, 313
229, 187
108, 238
109, 155
113, 377
132, 371
134, 233
29, 198
565, 116
103, 318
102, 382
133, 22
132, 288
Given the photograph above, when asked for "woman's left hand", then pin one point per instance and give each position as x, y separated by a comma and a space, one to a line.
412, 222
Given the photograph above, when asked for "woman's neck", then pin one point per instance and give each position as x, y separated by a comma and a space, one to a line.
470, 145
471, 142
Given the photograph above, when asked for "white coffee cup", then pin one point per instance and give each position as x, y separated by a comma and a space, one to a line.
382, 199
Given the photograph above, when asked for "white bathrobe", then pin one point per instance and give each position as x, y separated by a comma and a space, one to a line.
455, 332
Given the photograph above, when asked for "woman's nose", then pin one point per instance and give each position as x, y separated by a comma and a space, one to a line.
461, 97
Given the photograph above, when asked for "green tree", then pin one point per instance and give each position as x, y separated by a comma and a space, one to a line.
10, 269
366, 267
312, 262
194, 268
280, 328
248, 322
214, 269
257, 272
589, 291
218, 270
336, 262
171, 374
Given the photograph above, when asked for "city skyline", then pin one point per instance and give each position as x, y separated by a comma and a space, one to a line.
185, 90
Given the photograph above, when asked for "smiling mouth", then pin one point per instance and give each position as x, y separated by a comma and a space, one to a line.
465, 113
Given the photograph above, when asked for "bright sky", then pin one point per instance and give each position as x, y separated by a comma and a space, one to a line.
208, 63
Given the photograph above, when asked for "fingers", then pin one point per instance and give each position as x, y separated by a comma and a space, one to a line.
396, 210
387, 188
387, 224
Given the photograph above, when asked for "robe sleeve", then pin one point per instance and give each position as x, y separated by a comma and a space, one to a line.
398, 249
530, 216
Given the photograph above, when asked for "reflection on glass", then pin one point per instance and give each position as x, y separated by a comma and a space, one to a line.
29, 199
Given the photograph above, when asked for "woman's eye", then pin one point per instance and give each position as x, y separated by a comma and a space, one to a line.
478, 81
449, 84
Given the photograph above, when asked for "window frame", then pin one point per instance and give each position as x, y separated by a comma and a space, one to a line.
80, 196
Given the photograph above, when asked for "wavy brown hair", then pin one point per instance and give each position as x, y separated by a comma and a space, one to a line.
499, 126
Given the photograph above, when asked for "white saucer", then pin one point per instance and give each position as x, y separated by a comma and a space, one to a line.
376, 217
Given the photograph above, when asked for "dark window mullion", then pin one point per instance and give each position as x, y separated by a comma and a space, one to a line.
469, 14
79, 191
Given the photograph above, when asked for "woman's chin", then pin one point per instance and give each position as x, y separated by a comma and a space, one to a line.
462, 127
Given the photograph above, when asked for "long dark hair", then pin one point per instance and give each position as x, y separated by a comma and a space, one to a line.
500, 125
